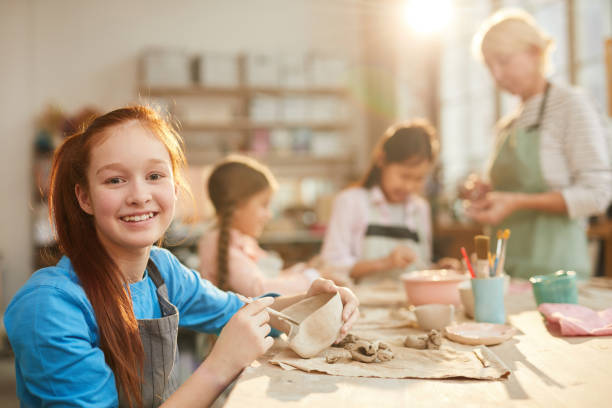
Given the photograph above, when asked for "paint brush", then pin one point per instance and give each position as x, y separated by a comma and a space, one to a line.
500, 235
481, 243
467, 262
500, 265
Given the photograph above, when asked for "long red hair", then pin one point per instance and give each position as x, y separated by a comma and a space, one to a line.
103, 282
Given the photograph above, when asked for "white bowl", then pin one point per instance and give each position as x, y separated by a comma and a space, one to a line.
434, 316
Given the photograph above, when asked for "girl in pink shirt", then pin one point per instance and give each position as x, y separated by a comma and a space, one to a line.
240, 189
381, 227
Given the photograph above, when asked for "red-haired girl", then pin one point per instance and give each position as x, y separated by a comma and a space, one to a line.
100, 327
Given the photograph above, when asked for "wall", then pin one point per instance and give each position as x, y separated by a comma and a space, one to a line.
77, 53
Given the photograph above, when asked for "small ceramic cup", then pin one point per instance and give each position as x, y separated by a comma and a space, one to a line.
434, 316
467, 298
558, 287
489, 300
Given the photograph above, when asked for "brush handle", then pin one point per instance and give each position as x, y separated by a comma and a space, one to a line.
500, 265
467, 262
273, 312
482, 268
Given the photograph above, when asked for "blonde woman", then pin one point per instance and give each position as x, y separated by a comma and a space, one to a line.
550, 167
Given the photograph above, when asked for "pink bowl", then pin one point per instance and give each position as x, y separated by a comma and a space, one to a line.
433, 286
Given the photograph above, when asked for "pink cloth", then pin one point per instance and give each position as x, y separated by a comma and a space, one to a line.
245, 277
349, 220
576, 320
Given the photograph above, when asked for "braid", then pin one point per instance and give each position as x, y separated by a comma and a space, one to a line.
223, 247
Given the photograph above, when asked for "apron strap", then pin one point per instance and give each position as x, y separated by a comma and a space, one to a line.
392, 232
166, 307
536, 125
155, 274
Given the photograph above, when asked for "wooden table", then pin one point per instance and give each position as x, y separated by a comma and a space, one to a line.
547, 371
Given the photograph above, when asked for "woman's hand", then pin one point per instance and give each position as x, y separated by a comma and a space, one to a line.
243, 339
494, 208
350, 312
400, 257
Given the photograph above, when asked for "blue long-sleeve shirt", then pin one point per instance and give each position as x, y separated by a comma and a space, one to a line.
53, 331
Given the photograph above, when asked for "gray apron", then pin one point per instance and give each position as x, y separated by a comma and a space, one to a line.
382, 236
160, 374
540, 242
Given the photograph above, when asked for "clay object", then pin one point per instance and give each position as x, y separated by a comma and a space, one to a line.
320, 319
434, 340
332, 359
349, 338
429, 341
369, 352
416, 341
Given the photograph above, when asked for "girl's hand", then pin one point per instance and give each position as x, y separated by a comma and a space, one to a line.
350, 312
400, 257
449, 263
493, 209
243, 339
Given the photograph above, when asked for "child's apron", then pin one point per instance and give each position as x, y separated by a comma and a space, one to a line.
383, 235
160, 373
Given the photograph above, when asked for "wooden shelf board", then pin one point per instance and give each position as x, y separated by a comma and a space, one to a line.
198, 90
242, 125
196, 156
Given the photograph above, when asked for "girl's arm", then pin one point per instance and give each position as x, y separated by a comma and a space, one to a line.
343, 230
242, 340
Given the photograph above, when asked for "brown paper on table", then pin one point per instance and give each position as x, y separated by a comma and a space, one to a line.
377, 319
385, 293
479, 363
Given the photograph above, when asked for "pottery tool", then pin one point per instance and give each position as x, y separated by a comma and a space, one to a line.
467, 262
500, 235
481, 243
276, 313
500, 265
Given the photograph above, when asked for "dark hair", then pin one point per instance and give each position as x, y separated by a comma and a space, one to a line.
99, 275
410, 142
231, 183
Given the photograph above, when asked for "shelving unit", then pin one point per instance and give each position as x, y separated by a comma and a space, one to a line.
246, 126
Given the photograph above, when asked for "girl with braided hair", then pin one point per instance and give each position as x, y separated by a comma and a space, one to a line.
240, 189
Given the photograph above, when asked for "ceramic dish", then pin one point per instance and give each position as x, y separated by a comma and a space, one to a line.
320, 319
476, 334
434, 317
432, 286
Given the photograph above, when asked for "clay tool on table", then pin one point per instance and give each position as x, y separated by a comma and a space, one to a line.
502, 257
467, 262
276, 313
481, 243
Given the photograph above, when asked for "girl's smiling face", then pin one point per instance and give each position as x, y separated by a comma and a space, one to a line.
399, 180
131, 192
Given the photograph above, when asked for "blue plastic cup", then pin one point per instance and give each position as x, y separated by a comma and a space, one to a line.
489, 300
558, 287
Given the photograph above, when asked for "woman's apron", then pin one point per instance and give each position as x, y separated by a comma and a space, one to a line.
540, 242
383, 235
160, 374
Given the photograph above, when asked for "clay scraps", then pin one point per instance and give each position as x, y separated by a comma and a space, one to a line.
429, 341
362, 350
